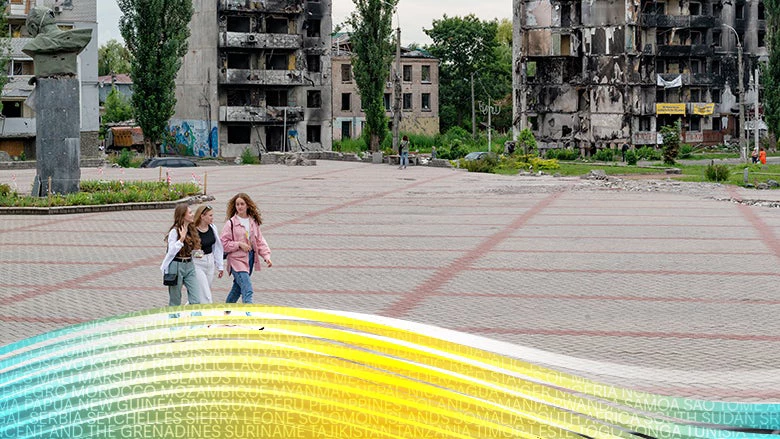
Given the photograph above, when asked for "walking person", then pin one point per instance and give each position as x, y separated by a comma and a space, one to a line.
244, 245
212, 248
403, 148
762, 156
624, 150
182, 240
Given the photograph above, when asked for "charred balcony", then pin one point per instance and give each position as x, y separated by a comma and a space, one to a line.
699, 50
262, 77
691, 78
679, 21
272, 6
240, 40
259, 114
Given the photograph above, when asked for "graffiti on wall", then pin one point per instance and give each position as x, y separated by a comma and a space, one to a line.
193, 138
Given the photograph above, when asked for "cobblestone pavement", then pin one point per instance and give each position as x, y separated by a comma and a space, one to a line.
662, 287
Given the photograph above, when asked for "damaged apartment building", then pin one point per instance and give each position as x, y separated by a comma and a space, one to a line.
257, 76
595, 74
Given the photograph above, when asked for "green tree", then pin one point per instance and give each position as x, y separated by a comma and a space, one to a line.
118, 109
771, 71
466, 46
671, 136
5, 46
372, 53
113, 57
156, 34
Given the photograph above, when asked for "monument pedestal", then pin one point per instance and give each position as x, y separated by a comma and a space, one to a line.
58, 137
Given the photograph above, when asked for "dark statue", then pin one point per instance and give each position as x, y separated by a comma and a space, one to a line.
53, 50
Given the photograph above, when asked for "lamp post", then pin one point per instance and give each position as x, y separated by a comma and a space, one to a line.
742, 139
489, 110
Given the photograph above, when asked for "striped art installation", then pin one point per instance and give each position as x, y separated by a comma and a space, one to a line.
250, 371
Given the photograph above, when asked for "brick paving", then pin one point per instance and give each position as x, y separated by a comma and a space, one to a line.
665, 292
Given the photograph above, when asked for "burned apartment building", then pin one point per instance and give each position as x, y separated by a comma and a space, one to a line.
251, 70
596, 74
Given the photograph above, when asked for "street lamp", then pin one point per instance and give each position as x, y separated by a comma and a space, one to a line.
742, 139
489, 110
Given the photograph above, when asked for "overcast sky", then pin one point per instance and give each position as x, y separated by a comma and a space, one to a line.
413, 14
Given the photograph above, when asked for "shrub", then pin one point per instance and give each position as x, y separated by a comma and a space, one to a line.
648, 153
631, 157
5, 190
248, 157
686, 151
562, 154
350, 145
671, 135
487, 164
125, 158
604, 155
526, 142
717, 172
542, 164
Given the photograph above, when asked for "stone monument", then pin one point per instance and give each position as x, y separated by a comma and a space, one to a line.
56, 101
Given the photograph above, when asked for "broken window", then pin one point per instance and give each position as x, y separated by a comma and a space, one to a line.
761, 38
238, 61
660, 8
695, 95
407, 73
346, 73
716, 38
695, 37
530, 69
313, 99
715, 93
407, 101
660, 95
274, 138
386, 100
645, 122
312, 28
313, 133
695, 124
716, 67
565, 15
12, 108
425, 101
313, 63
346, 101
741, 12
238, 97
425, 74
274, 25
533, 122
276, 98
238, 134
238, 24
346, 129
761, 11
716, 125
565, 130
276, 62
694, 8
23, 68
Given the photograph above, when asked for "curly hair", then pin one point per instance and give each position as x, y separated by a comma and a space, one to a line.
251, 208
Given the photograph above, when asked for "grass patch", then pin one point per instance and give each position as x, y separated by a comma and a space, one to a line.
106, 192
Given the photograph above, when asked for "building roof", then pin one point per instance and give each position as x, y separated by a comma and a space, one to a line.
121, 78
342, 46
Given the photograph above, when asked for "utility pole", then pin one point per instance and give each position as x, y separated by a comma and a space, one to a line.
742, 138
473, 112
397, 90
755, 121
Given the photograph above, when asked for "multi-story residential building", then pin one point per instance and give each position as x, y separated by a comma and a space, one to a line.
251, 69
18, 125
419, 88
596, 74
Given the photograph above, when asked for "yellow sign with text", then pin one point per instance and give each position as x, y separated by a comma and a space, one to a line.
670, 109
703, 109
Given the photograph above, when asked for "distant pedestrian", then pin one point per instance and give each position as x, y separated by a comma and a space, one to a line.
182, 240
433, 151
211, 260
244, 245
754, 156
624, 150
762, 156
403, 149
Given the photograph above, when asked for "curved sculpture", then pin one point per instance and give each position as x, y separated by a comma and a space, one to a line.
232, 371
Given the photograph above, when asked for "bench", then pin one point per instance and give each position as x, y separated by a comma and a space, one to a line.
395, 159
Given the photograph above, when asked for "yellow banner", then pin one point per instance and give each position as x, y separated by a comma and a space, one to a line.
703, 109
670, 109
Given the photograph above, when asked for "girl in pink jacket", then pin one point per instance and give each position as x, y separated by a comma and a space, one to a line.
243, 243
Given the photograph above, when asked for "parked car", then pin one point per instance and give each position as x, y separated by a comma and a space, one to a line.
478, 155
168, 162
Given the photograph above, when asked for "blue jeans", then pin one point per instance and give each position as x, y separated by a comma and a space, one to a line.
242, 286
404, 159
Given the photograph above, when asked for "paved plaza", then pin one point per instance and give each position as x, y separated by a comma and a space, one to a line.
666, 292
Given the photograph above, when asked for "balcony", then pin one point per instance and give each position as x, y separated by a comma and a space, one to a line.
241, 40
267, 6
260, 114
700, 50
679, 21
262, 77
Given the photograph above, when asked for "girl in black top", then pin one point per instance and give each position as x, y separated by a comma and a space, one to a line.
211, 258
